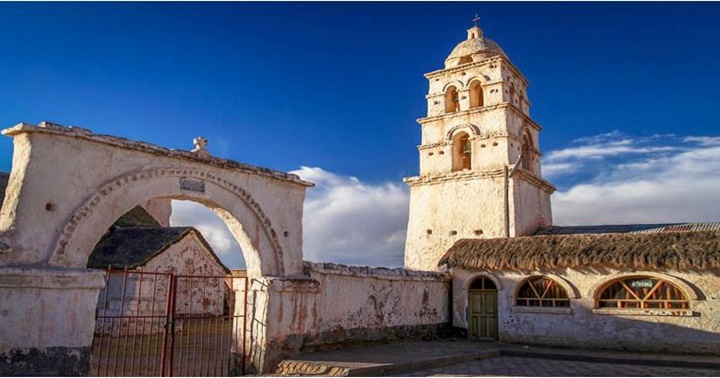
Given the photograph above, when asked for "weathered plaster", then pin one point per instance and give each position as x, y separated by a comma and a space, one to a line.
47, 319
340, 304
584, 325
160, 209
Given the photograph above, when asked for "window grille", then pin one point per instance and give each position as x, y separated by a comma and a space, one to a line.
643, 292
542, 292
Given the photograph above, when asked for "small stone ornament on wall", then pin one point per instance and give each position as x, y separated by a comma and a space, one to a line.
201, 147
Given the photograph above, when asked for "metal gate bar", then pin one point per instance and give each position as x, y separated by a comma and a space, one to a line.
161, 324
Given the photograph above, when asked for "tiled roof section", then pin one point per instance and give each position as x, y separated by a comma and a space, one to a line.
630, 228
683, 227
137, 217
133, 246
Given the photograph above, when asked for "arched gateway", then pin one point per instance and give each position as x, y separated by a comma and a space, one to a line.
68, 185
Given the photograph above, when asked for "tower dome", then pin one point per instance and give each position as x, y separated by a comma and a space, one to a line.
474, 49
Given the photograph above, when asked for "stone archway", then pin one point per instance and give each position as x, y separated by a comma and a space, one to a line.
243, 215
68, 185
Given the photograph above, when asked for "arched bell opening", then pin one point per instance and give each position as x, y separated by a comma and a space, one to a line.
527, 152
462, 152
452, 100
477, 98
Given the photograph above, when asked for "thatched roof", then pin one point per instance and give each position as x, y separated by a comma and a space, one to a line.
133, 247
661, 250
629, 228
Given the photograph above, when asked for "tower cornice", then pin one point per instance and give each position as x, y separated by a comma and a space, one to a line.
535, 180
474, 175
459, 176
463, 113
464, 67
452, 176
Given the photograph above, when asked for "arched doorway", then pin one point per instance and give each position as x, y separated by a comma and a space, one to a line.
482, 309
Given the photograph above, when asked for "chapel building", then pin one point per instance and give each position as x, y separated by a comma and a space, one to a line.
480, 209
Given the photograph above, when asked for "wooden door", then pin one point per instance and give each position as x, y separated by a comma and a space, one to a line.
483, 317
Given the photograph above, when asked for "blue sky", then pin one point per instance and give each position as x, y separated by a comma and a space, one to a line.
624, 91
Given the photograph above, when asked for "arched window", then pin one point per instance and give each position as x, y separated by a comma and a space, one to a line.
512, 93
452, 101
541, 292
642, 292
526, 152
462, 152
476, 95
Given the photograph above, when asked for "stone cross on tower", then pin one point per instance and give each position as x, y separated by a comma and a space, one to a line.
476, 19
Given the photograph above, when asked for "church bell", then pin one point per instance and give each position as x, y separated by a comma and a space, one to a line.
466, 148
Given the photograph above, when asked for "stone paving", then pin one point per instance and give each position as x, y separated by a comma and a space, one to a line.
543, 367
450, 357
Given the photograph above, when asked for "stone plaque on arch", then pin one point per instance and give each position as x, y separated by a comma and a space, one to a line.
191, 185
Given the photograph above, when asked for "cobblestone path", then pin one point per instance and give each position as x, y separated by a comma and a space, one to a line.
540, 367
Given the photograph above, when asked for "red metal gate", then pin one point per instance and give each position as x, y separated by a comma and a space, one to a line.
161, 324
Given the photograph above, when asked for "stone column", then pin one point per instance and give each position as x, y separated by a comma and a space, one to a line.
281, 312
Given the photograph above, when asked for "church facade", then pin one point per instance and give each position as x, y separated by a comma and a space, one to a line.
480, 209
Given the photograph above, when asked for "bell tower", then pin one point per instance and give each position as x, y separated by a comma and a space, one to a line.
480, 173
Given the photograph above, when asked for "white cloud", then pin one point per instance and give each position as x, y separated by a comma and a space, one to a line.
680, 185
599, 151
559, 169
213, 229
704, 141
350, 222
605, 145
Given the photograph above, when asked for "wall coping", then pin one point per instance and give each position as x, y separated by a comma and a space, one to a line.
30, 278
378, 273
127, 144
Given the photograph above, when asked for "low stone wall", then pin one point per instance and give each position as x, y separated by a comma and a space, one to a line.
358, 303
338, 304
